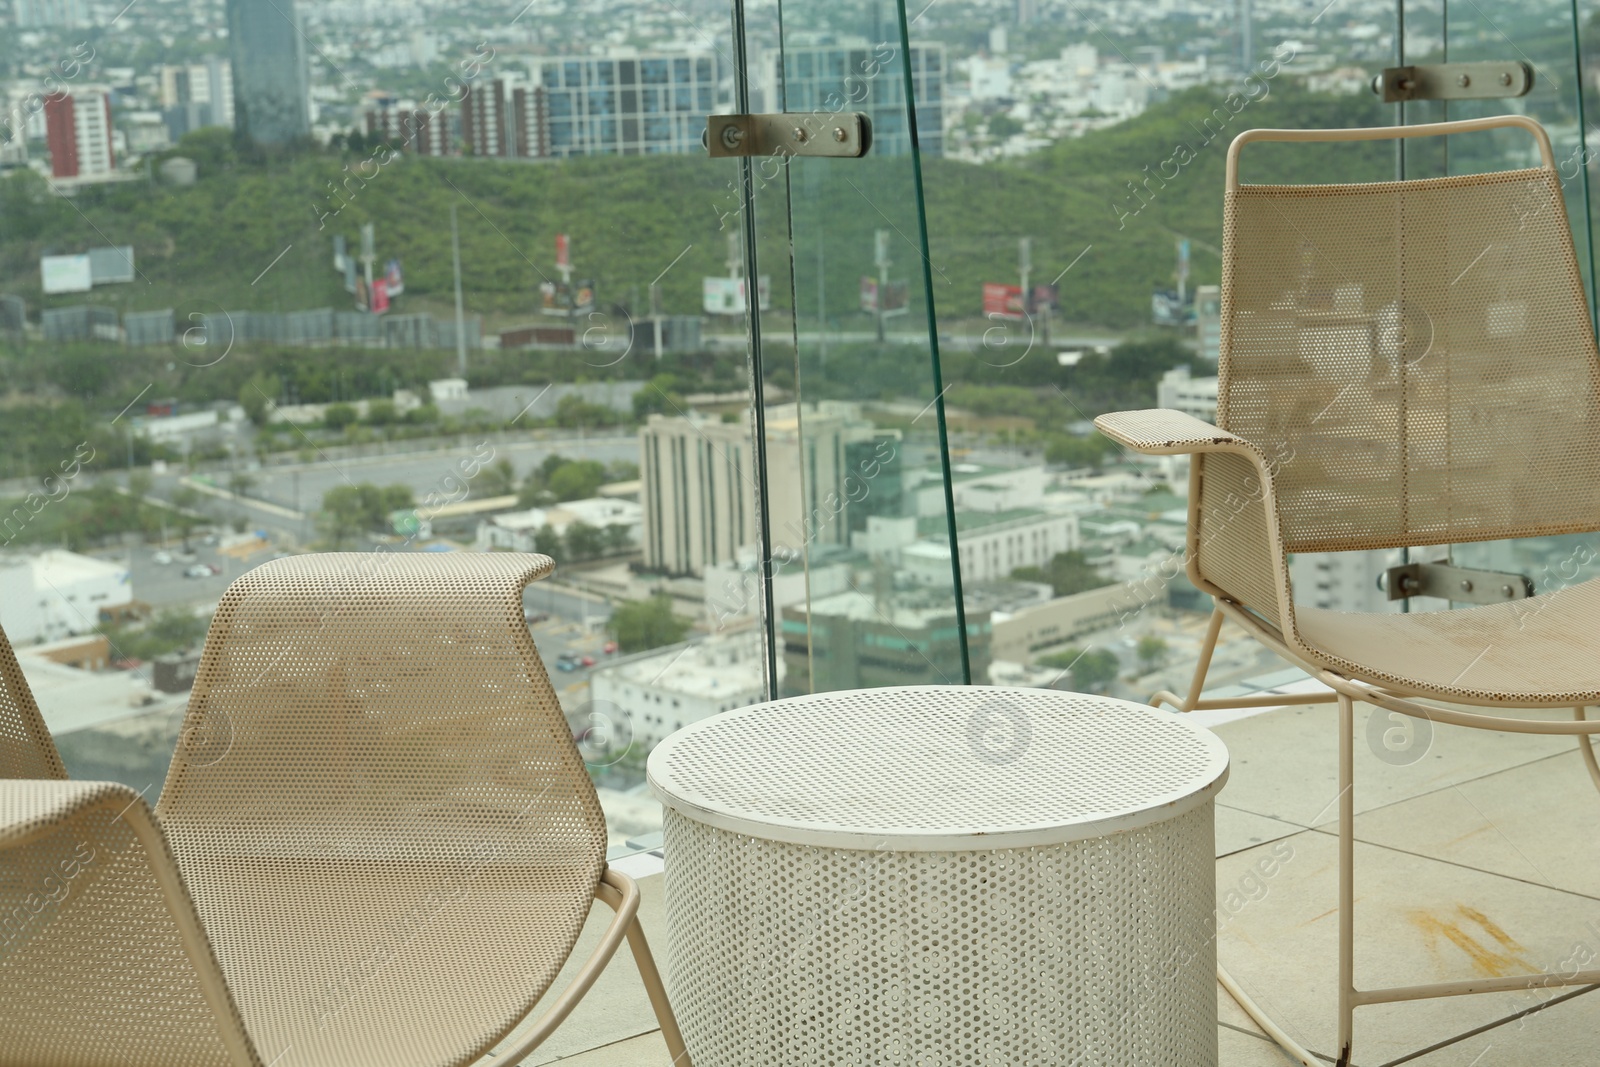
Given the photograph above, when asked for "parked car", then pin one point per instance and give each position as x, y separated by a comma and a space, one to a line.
214, 568
534, 617
162, 558
197, 570
588, 661
567, 661
609, 648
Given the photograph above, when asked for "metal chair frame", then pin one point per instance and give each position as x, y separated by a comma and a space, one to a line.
1171, 432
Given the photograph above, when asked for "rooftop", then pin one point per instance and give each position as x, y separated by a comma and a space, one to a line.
1468, 870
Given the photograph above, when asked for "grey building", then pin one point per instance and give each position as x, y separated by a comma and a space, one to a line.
863, 77
270, 76
67, 14
651, 102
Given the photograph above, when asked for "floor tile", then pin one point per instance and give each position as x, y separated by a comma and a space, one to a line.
1535, 822
1284, 764
1235, 1049
1418, 920
1238, 830
646, 1050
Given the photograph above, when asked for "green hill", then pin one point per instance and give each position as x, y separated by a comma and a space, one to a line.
207, 246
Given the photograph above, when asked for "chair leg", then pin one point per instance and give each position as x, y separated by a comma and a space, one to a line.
1347, 896
658, 994
1201, 668
1586, 747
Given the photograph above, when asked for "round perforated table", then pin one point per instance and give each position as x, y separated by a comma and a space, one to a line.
937, 876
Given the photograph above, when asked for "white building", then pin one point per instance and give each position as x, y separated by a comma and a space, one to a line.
517, 531
67, 14
666, 689
207, 85
56, 593
1343, 581
1192, 396
993, 544
698, 478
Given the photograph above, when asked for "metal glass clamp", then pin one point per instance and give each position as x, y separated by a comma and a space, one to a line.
840, 135
1461, 584
1454, 81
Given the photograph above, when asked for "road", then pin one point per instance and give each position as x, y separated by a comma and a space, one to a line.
280, 493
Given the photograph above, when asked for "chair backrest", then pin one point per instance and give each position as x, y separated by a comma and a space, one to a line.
378, 806
102, 957
26, 750
1415, 357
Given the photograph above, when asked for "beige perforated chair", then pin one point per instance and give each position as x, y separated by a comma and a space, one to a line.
377, 843
1403, 363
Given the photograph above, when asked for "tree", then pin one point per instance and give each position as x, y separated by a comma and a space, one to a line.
1090, 671
349, 509
547, 541
240, 483
1152, 651
498, 479
577, 480
618, 538
1067, 573
660, 395
584, 541
338, 416
639, 625
380, 412
258, 395
139, 484
1065, 450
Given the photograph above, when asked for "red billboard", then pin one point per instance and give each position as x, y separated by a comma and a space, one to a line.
563, 251
1002, 300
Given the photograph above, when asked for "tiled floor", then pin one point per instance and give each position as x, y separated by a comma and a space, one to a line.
1479, 856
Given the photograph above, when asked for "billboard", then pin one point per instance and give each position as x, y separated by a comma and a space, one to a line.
113, 264
65, 274
1045, 296
393, 278
380, 296
726, 296
1002, 300
896, 296
563, 252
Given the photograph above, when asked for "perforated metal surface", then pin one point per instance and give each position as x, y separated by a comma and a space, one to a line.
26, 750
378, 807
1099, 950
937, 767
1414, 364
95, 970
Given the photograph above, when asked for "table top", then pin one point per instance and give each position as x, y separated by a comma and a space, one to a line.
938, 768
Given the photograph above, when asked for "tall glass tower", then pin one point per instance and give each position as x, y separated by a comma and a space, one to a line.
270, 78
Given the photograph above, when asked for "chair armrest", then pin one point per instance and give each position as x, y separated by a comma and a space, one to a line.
1165, 432
85, 873
1234, 548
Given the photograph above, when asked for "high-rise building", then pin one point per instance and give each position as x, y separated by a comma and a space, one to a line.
67, 14
504, 117
196, 95
862, 77
78, 132
270, 77
627, 104
414, 129
698, 481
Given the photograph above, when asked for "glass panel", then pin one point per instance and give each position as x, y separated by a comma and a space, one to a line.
865, 589
1543, 35
242, 382
1075, 231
